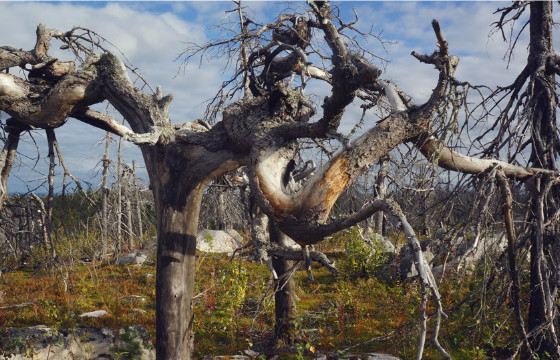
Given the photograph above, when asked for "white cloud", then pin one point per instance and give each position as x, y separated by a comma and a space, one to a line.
150, 41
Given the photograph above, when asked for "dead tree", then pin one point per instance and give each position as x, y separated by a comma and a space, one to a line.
261, 132
527, 122
137, 203
381, 189
284, 294
127, 191
119, 209
104, 196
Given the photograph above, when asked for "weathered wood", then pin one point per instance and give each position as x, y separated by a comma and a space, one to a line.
7, 156
381, 189
138, 203
119, 210
50, 196
104, 196
284, 292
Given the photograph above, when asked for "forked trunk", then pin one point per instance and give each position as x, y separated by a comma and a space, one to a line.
178, 179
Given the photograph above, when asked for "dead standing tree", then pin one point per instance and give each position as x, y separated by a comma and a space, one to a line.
526, 127
260, 131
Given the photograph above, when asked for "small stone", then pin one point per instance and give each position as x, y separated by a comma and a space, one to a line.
251, 353
107, 332
95, 314
373, 356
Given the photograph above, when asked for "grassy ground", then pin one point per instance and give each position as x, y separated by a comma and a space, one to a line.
234, 308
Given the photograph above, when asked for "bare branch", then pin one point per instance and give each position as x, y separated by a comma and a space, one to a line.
440, 154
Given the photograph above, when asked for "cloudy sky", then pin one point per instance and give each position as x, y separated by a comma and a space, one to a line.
153, 34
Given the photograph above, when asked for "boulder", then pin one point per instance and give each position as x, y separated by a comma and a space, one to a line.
218, 241
468, 255
378, 242
461, 253
234, 234
135, 258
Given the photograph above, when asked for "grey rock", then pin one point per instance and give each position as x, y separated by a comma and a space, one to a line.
135, 258
373, 356
94, 314
234, 234
370, 356
107, 332
251, 353
217, 241
378, 242
469, 255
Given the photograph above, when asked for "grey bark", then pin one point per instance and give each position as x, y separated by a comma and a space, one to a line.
104, 196
542, 308
284, 295
381, 190
119, 210
138, 203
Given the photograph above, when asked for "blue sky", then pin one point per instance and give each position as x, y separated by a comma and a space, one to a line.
152, 34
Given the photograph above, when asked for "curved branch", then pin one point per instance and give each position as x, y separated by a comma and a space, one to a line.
315, 200
101, 121
295, 254
10, 57
141, 111
48, 107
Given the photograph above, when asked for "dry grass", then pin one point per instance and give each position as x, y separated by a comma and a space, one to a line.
234, 307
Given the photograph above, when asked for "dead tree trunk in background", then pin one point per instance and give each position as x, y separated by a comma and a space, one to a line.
128, 205
544, 150
118, 244
104, 196
7, 156
284, 291
381, 189
43, 220
51, 139
138, 203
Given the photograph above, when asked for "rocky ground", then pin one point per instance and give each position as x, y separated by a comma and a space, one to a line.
41, 342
